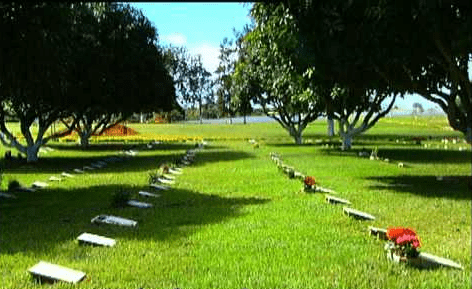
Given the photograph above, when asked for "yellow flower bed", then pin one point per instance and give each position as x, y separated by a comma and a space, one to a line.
136, 138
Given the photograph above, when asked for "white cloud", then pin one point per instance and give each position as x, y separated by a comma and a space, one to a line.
176, 38
209, 54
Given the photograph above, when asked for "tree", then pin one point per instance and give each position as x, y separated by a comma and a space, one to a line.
223, 72
199, 84
124, 49
421, 47
417, 108
270, 68
36, 53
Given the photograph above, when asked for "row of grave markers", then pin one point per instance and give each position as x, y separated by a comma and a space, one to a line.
49, 272
427, 260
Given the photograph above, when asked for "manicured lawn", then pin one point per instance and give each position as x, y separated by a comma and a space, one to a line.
233, 220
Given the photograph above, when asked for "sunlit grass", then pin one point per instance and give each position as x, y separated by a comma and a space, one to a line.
233, 220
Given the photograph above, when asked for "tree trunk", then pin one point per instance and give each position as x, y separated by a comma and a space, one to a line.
244, 119
468, 135
330, 126
297, 135
347, 141
32, 153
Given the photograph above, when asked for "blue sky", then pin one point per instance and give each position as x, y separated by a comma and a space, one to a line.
201, 28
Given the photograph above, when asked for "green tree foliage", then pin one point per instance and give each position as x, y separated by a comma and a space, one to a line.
270, 70
88, 61
421, 47
223, 72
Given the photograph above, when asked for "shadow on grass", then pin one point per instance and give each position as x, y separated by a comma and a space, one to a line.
138, 163
37, 222
409, 155
97, 147
451, 187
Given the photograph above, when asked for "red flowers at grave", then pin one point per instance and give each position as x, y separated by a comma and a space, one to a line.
403, 236
404, 240
309, 181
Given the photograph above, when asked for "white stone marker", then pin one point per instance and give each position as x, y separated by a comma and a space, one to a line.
159, 187
170, 177
56, 273
53, 178
175, 172
79, 171
86, 238
165, 181
88, 168
335, 200
379, 232
439, 260
324, 190
113, 220
7, 195
39, 185
28, 190
67, 175
358, 214
137, 204
147, 194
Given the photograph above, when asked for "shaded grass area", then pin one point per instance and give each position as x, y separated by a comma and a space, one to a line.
233, 220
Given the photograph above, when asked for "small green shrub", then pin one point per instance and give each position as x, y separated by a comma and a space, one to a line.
13, 185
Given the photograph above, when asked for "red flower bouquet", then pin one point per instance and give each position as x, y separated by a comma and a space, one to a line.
403, 241
309, 181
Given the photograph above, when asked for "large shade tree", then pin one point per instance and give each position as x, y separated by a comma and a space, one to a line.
271, 68
36, 51
121, 71
421, 47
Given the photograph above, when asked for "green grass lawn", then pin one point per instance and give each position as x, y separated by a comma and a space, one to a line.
233, 220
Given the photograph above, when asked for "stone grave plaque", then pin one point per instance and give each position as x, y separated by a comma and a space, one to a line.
91, 239
147, 194
165, 181
96, 165
169, 177
358, 214
79, 171
52, 272
56, 179
113, 220
67, 175
175, 172
379, 232
28, 190
137, 204
7, 195
432, 259
324, 190
186, 163
88, 168
335, 200
159, 187
38, 184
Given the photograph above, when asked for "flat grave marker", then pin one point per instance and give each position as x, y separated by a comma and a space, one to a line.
88, 168
147, 194
175, 172
91, 239
79, 171
138, 204
324, 190
56, 179
52, 272
335, 200
165, 181
436, 260
67, 175
379, 232
38, 184
358, 214
159, 187
7, 195
169, 177
113, 220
